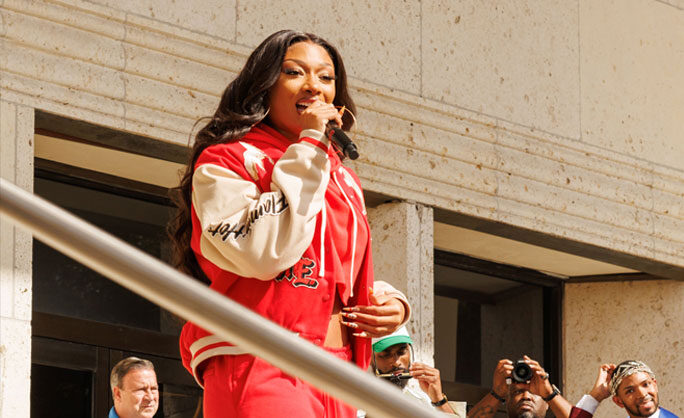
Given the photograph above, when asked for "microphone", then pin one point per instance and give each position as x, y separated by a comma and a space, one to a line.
336, 134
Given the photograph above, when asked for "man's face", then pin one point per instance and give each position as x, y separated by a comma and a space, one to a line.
395, 358
523, 404
638, 394
138, 396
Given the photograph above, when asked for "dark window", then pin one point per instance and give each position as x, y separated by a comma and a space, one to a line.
486, 311
83, 323
58, 392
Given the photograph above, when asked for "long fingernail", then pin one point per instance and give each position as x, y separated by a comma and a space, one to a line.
349, 315
360, 334
350, 324
351, 309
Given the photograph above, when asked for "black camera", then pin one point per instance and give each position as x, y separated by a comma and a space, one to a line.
522, 372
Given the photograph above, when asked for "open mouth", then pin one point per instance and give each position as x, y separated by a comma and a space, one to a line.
303, 104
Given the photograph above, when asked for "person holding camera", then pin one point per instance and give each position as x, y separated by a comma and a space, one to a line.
633, 386
392, 360
525, 388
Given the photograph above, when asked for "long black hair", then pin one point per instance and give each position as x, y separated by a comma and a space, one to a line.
243, 104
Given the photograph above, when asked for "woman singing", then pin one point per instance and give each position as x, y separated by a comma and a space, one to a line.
270, 215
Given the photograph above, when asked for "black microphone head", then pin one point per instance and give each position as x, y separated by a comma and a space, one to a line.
336, 134
351, 151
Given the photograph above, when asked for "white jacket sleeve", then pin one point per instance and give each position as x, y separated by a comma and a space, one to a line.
383, 288
256, 234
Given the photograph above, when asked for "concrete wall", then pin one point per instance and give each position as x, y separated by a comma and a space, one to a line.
553, 116
403, 256
479, 108
16, 166
613, 322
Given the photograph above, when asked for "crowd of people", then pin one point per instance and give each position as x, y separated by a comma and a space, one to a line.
631, 384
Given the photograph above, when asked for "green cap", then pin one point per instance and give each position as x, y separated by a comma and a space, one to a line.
397, 337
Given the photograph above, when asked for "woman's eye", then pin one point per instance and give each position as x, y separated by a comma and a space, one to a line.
290, 71
328, 77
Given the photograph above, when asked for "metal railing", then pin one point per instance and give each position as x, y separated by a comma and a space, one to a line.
186, 297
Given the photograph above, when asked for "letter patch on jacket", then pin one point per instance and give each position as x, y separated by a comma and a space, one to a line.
274, 205
254, 160
301, 274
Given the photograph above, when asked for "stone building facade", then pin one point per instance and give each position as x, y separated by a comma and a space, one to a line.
552, 123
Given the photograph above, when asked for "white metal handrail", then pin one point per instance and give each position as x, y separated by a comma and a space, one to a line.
186, 297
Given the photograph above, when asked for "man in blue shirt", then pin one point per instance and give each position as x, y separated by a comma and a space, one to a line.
134, 389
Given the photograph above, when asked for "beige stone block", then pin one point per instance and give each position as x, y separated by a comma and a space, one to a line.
632, 88
668, 180
403, 256
24, 147
15, 368
612, 322
582, 155
64, 109
167, 98
75, 13
8, 134
158, 124
569, 177
183, 43
428, 192
457, 146
564, 225
6, 268
62, 71
23, 241
416, 136
427, 165
56, 99
63, 40
668, 228
516, 60
23, 274
379, 41
422, 111
212, 17
580, 205
16, 166
179, 72
669, 204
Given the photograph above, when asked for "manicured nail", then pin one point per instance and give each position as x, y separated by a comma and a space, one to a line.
351, 309
350, 324
360, 334
349, 315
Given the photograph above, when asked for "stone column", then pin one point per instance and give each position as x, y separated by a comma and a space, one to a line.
16, 165
403, 256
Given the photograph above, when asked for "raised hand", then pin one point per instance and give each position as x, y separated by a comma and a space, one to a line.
381, 318
601, 389
539, 384
429, 380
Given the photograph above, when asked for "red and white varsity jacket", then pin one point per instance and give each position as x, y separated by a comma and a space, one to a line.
280, 227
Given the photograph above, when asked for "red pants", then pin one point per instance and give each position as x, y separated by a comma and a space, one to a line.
247, 386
